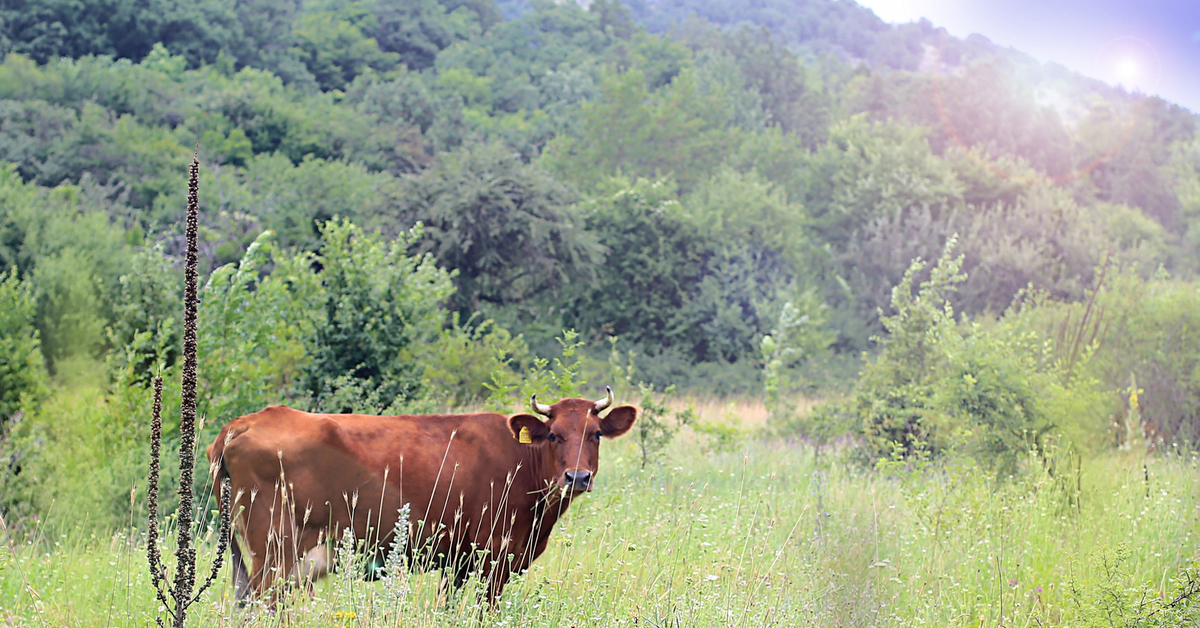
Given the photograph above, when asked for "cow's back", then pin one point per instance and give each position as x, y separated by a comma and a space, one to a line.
329, 471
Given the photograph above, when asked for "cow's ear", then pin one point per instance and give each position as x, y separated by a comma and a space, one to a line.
533, 428
618, 421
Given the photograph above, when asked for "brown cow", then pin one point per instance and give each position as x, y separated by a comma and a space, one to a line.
484, 490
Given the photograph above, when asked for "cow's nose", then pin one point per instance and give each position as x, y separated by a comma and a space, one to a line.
579, 480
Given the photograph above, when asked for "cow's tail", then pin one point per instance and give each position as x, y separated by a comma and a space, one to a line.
241, 578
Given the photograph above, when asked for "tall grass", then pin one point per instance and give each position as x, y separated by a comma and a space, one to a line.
764, 535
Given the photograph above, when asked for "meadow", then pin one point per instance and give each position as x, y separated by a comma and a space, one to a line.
760, 532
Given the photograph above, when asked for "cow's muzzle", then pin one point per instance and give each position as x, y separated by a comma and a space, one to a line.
579, 480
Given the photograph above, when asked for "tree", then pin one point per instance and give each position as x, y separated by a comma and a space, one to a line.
22, 371
674, 280
380, 306
630, 130
145, 332
417, 30
335, 50
44, 29
507, 228
1124, 151
268, 41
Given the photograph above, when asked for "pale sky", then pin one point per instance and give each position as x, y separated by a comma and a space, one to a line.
1152, 46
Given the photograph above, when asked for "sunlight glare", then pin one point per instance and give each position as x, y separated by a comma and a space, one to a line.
1131, 63
1127, 70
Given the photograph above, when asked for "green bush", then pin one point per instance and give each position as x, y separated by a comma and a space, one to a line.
894, 399
942, 384
379, 307
145, 333
466, 359
22, 371
254, 331
1129, 327
1114, 596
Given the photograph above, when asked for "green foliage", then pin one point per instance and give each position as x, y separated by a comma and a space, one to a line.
657, 425
867, 172
553, 379
335, 50
378, 308
1150, 329
145, 334
939, 384
846, 30
986, 106
770, 85
1184, 170
668, 284
1116, 597
992, 386
894, 395
508, 228
1125, 148
723, 435
22, 372
417, 30
748, 210
46, 29
61, 240
799, 335
255, 329
81, 452
673, 131
560, 378
468, 362
655, 428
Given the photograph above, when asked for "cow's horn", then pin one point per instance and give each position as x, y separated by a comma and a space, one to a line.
605, 402
539, 408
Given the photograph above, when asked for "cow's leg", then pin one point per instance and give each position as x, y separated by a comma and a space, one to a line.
241, 578
315, 560
494, 578
274, 548
256, 542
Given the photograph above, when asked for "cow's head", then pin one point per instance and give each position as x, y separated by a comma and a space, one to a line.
571, 433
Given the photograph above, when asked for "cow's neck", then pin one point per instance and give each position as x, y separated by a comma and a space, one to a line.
552, 503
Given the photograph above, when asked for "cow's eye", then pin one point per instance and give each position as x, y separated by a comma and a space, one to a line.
599, 434
553, 438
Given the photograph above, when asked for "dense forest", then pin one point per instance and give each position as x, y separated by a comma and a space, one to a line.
404, 204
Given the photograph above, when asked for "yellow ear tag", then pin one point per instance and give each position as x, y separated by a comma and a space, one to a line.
524, 436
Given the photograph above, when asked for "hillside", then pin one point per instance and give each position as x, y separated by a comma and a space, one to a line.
662, 173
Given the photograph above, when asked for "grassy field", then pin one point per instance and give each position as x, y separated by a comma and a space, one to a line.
765, 534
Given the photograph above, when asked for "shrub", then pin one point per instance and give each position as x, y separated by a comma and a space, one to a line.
254, 330
145, 330
895, 395
22, 371
380, 306
1115, 597
461, 363
939, 383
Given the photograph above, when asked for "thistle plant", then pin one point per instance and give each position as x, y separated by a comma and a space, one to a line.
183, 593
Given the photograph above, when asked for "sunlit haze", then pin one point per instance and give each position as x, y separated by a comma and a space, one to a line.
1152, 47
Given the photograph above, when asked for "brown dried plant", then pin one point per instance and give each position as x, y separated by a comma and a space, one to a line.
183, 593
